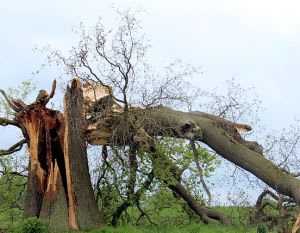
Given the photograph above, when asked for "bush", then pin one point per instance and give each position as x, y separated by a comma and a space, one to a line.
261, 228
32, 225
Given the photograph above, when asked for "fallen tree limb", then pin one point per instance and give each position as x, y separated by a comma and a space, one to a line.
172, 123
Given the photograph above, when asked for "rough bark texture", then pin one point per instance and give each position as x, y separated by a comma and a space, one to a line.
83, 211
59, 187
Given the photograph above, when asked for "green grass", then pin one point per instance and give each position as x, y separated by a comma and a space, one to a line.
168, 222
191, 228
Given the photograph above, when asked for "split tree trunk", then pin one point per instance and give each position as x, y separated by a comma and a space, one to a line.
83, 209
59, 186
46, 187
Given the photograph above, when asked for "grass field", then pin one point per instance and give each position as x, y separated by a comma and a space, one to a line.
193, 227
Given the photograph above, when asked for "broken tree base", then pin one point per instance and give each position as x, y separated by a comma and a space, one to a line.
59, 187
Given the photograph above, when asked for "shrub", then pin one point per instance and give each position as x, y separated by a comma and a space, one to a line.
32, 225
261, 228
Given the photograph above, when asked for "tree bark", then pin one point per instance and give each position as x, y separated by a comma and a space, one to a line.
197, 126
46, 186
58, 152
59, 187
83, 209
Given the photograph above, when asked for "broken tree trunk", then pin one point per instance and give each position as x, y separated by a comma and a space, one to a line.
46, 196
59, 187
83, 209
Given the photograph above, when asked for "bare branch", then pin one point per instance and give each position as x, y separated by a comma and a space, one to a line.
297, 174
14, 148
200, 170
10, 103
291, 151
85, 63
6, 122
262, 196
14, 173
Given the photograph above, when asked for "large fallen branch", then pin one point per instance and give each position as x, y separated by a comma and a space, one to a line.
221, 135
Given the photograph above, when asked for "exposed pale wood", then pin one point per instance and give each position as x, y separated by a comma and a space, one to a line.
94, 92
71, 199
53, 176
56, 189
296, 225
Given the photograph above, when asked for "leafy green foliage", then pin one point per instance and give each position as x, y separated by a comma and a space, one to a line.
109, 198
12, 185
20, 92
159, 204
7, 218
181, 154
32, 225
12, 189
261, 228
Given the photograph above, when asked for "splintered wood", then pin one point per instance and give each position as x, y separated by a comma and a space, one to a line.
59, 185
94, 92
37, 123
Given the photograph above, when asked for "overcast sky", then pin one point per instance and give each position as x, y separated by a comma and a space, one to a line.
257, 42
